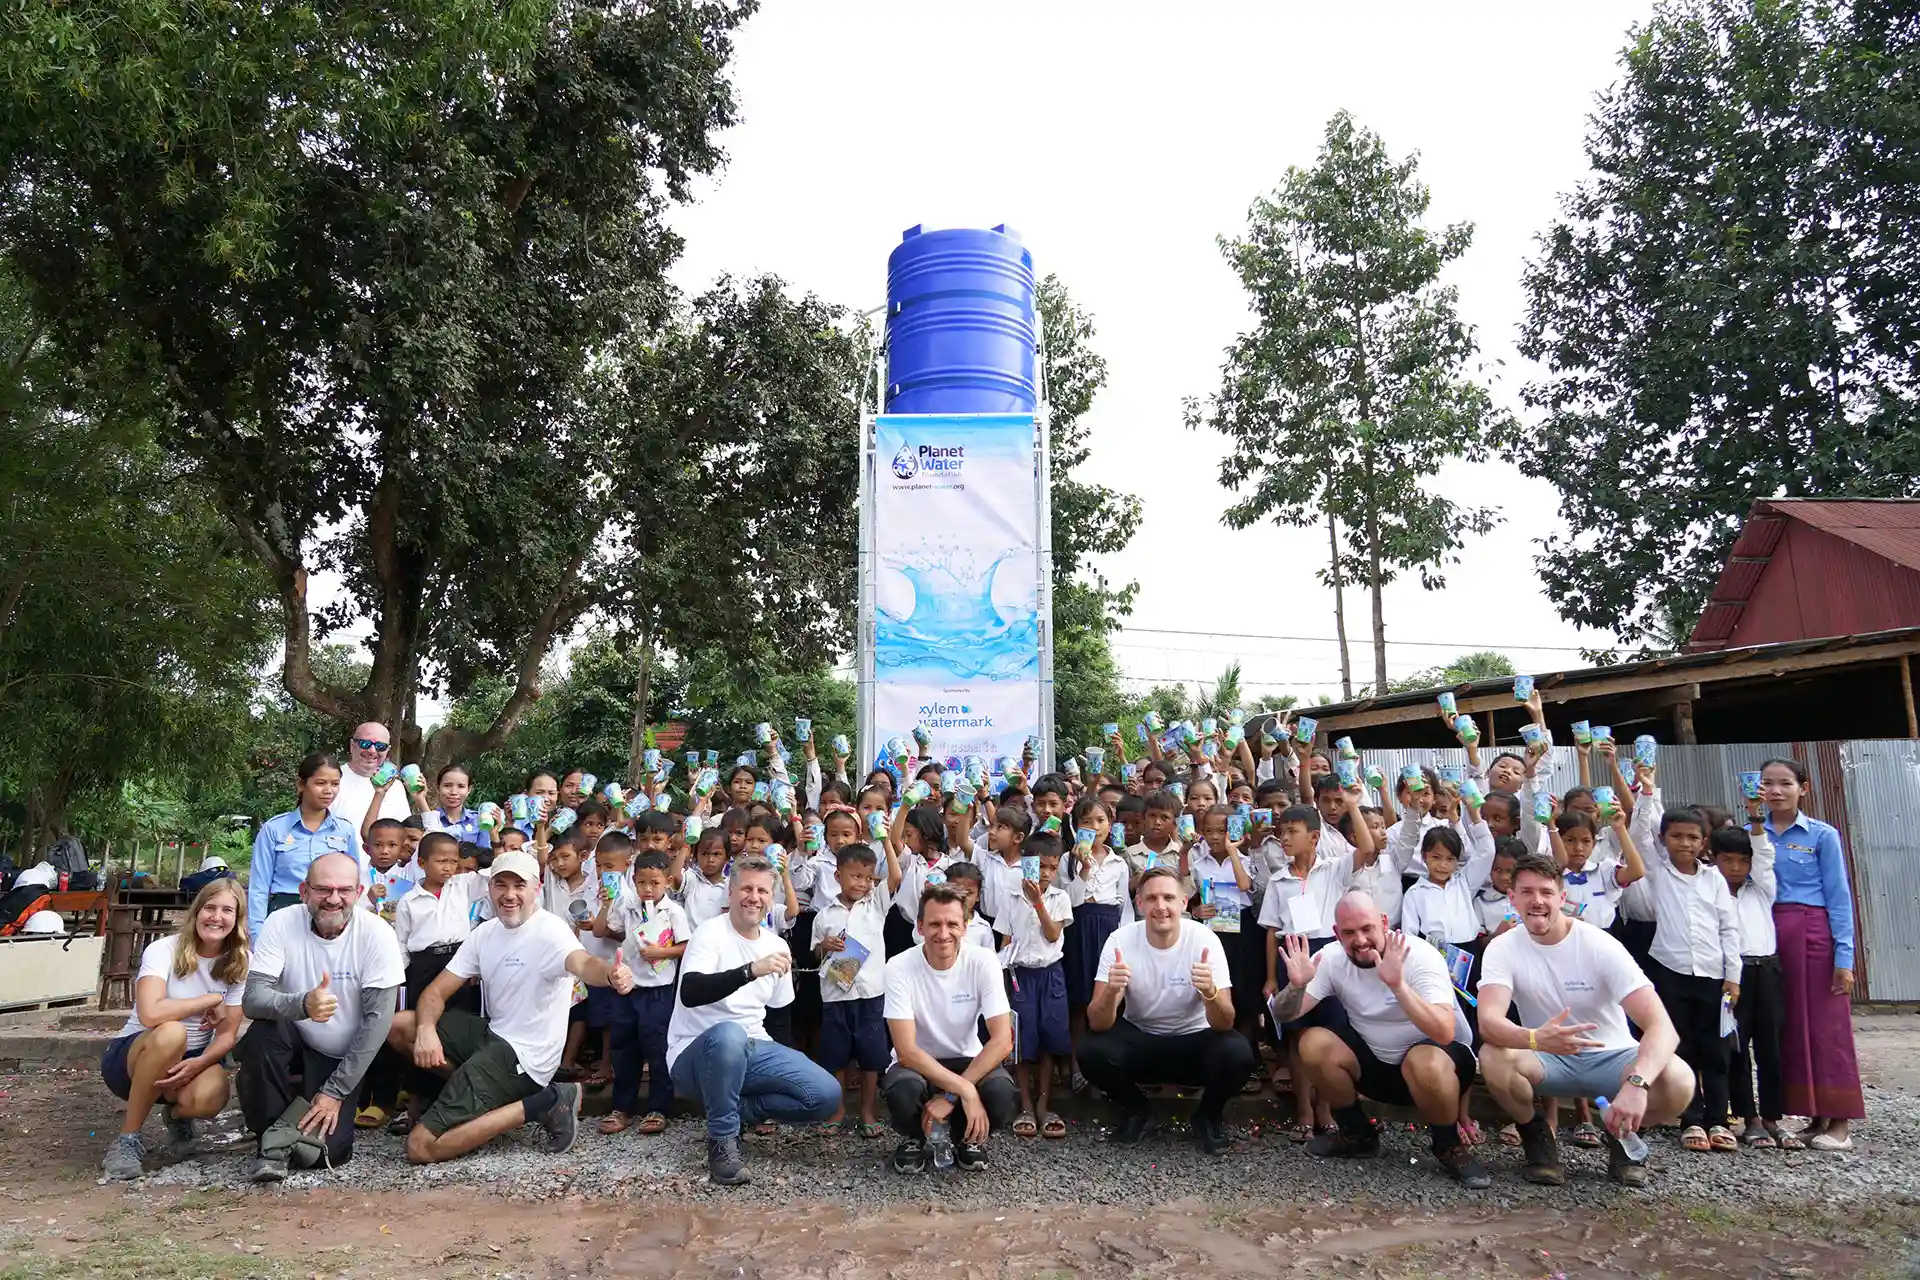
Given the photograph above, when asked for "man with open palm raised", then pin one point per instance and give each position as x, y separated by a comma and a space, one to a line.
1170, 976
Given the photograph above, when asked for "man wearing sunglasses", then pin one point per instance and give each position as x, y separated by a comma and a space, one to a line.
367, 750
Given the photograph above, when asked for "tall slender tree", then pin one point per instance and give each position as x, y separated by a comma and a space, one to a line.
1358, 379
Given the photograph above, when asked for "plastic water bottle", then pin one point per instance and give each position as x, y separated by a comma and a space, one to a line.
1632, 1143
940, 1147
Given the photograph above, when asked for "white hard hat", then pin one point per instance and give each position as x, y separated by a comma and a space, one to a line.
212, 861
41, 874
44, 922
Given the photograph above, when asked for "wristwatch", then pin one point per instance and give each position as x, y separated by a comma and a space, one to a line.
1637, 1080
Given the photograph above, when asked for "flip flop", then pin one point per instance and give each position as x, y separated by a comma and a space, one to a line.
1721, 1138
1587, 1135
615, 1122
1694, 1138
828, 1128
1791, 1142
766, 1128
872, 1128
1301, 1132
1755, 1136
1509, 1135
373, 1117
1470, 1133
1026, 1126
1053, 1127
653, 1122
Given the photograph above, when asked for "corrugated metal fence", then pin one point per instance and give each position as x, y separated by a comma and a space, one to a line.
1868, 788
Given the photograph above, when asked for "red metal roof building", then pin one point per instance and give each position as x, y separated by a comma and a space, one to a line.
1806, 568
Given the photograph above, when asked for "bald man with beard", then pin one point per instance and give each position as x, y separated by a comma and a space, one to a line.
1406, 1042
321, 989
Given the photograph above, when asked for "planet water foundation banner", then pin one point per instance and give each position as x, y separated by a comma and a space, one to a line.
956, 590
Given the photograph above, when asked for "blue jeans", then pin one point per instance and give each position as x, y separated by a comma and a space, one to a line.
741, 1081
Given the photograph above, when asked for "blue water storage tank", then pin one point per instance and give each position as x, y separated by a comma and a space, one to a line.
960, 323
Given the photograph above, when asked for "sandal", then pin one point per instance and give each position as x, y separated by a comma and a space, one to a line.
1790, 1141
371, 1117
653, 1122
830, 1128
615, 1122
872, 1128
1587, 1135
1721, 1138
1470, 1133
1509, 1135
766, 1128
1300, 1132
1694, 1138
1052, 1126
1026, 1126
1253, 1085
401, 1125
1077, 1084
1755, 1136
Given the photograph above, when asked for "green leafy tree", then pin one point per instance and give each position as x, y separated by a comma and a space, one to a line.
1356, 382
740, 428
1088, 520
370, 254
1724, 309
131, 620
1483, 665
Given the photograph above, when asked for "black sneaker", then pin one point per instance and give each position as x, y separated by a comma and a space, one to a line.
1212, 1131
1458, 1160
1133, 1126
1541, 1150
562, 1121
1342, 1144
910, 1156
726, 1167
181, 1133
1622, 1168
970, 1156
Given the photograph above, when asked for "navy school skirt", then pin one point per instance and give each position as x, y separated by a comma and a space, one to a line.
1093, 924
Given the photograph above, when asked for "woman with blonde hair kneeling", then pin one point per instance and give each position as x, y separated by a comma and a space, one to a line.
186, 1016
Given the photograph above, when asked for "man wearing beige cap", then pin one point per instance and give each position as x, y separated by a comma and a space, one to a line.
500, 1068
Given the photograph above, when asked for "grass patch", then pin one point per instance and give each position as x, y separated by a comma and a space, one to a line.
152, 1259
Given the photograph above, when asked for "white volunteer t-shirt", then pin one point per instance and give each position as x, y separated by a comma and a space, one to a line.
717, 947
945, 1005
1160, 998
1375, 1011
366, 956
524, 979
355, 797
157, 962
1587, 973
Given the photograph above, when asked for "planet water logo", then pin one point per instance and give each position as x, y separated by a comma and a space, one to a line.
945, 462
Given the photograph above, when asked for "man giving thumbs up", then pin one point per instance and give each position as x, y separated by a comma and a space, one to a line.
1178, 1023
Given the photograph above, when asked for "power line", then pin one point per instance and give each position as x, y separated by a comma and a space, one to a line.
1362, 641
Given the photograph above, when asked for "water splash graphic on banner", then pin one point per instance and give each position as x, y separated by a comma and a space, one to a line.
950, 624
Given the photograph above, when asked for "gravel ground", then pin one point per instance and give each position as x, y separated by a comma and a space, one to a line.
845, 1170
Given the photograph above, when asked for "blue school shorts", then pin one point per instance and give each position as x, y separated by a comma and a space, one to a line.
854, 1031
1039, 1000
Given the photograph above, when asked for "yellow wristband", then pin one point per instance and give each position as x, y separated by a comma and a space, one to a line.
1532, 1042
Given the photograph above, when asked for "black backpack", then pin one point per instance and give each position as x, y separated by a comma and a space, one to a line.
201, 879
9, 872
19, 904
70, 856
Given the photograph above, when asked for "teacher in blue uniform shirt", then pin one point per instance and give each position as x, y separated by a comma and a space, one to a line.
289, 843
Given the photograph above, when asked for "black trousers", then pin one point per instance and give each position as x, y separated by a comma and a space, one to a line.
1693, 1003
906, 1092
1122, 1058
270, 1054
381, 1088
1761, 1014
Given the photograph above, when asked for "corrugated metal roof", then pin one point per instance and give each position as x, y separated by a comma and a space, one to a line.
1888, 527
1678, 665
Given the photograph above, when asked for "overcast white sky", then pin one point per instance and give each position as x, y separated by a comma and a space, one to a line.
1119, 139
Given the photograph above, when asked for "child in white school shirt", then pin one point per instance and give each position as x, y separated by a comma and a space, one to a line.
652, 931
849, 937
967, 878
703, 886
